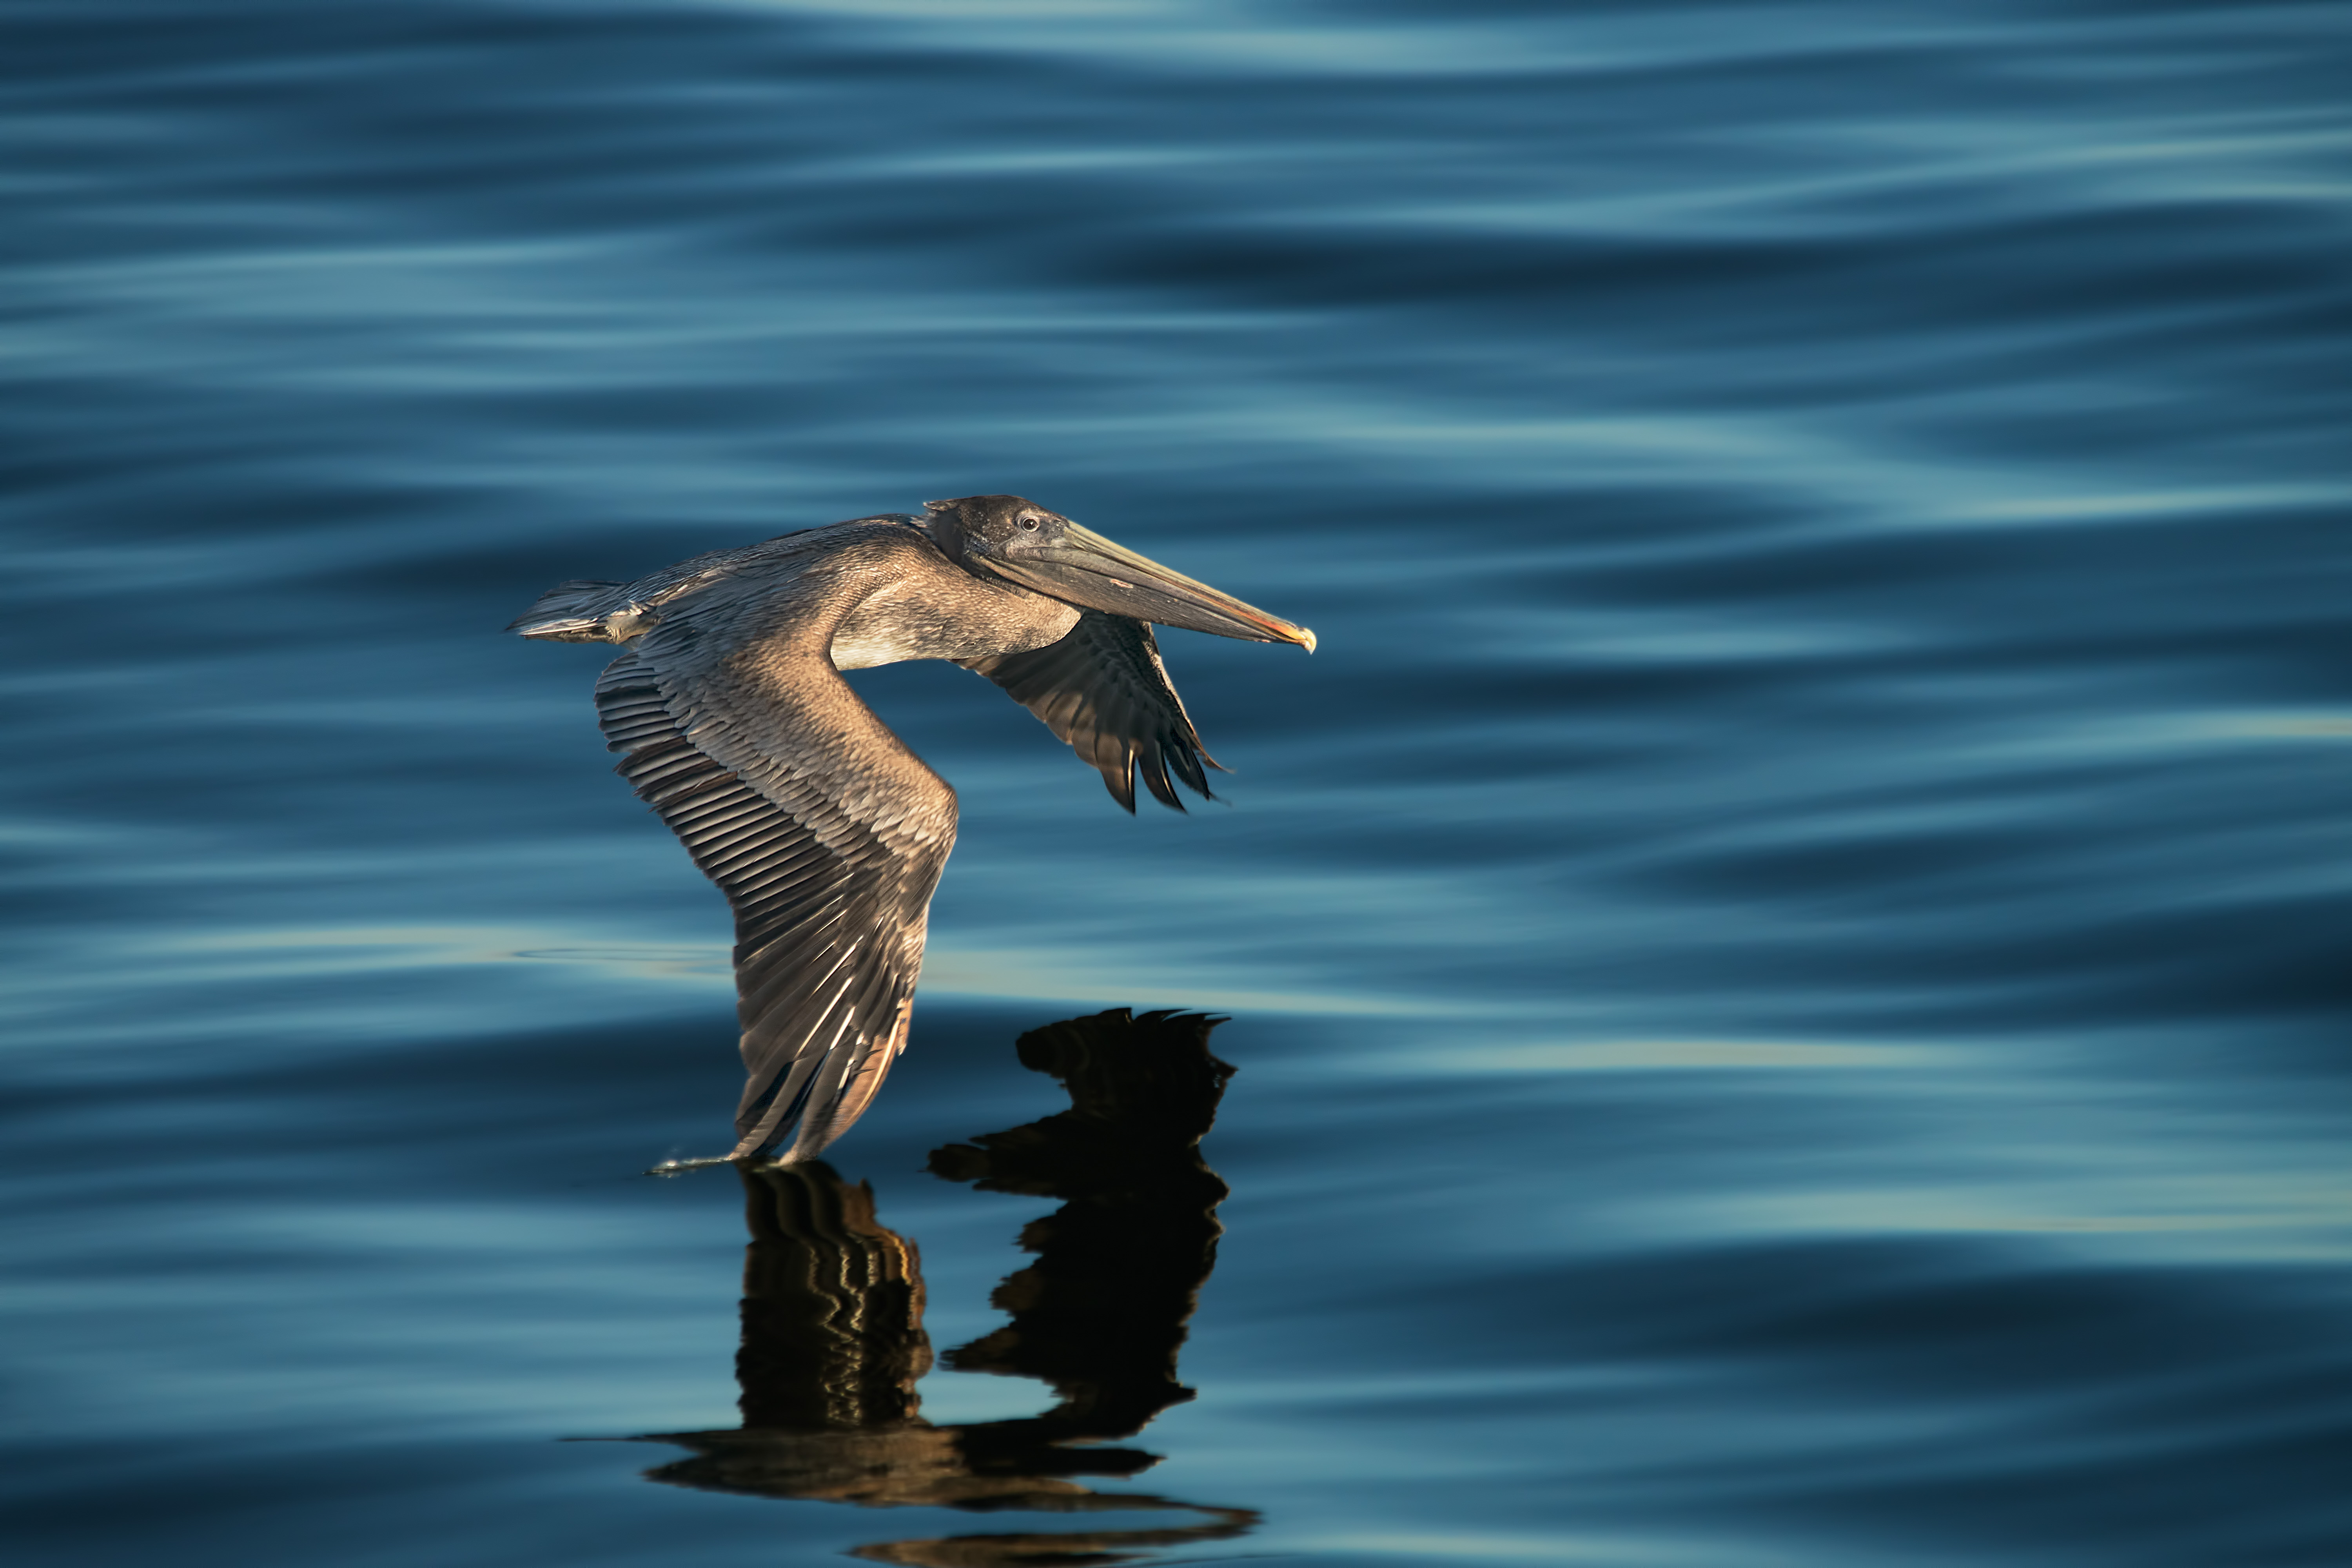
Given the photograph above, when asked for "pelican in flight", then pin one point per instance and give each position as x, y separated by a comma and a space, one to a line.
826, 833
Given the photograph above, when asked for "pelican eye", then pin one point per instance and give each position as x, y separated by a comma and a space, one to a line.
1029, 523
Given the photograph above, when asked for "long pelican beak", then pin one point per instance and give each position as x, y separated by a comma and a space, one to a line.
1081, 567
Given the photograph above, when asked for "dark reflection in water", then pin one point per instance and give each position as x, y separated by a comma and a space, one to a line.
833, 1312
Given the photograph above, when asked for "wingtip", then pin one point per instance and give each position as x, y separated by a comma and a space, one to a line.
1120, 781
1154, 768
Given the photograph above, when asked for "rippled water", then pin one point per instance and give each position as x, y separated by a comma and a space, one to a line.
1786, 961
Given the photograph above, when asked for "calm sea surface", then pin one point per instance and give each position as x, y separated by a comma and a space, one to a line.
1787, 962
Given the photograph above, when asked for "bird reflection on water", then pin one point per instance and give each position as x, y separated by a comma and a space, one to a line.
833, 1313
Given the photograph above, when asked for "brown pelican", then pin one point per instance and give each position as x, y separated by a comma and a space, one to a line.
826, 833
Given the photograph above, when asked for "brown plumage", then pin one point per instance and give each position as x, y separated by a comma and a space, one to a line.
826, 833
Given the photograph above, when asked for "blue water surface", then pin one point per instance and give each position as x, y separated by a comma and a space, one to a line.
1786, 959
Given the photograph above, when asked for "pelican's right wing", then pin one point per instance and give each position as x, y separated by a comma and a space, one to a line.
1103, 690
827, 836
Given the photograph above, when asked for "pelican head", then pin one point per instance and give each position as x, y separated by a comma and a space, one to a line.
1015, 539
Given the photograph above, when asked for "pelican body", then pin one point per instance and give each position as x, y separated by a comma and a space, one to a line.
826, 833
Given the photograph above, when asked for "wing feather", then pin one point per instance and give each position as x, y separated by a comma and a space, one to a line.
830, 881
1103, 690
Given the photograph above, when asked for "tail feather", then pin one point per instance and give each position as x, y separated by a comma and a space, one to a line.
573, 611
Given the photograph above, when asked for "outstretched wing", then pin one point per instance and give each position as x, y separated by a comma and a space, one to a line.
1103, 690
827, 836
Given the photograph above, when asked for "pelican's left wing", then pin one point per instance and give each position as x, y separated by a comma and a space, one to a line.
1103, 690
827, 836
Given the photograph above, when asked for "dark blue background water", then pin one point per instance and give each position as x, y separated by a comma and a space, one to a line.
1787, 958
